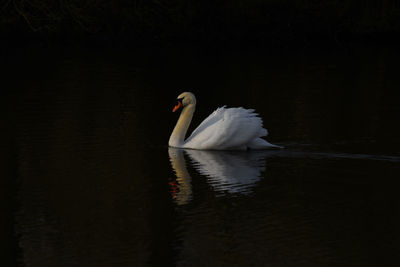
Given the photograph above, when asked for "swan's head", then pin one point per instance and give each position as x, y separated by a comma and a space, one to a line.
184, 99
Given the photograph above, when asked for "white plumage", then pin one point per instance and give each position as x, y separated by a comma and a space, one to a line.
224, 129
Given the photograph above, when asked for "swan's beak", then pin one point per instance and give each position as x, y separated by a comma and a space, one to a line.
178, 105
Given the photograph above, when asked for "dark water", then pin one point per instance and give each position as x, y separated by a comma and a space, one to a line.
90, 181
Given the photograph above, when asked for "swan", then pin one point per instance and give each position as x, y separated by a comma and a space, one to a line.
225, 129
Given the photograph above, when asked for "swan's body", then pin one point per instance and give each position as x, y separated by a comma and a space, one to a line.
224, 129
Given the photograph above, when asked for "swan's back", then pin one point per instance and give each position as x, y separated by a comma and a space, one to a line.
227, 128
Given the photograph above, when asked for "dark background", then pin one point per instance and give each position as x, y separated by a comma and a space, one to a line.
266, 22
34, 33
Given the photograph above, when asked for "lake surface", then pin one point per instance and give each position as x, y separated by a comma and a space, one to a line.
90, 181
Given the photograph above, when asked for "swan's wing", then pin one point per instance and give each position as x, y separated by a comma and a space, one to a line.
210, 120
227, 128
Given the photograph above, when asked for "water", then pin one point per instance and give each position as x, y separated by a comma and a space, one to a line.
90, 180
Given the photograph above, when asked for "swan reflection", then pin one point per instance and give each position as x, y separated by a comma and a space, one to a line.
226, 171
181, 187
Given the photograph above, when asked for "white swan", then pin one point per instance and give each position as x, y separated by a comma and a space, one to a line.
224, 129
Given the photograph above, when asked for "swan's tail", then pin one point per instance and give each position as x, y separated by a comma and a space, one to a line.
259, 143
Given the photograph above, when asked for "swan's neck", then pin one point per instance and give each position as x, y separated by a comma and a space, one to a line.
177, 137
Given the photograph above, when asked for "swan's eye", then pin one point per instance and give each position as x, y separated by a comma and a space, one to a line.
178, 104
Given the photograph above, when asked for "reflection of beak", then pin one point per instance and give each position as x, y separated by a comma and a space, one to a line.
177, 106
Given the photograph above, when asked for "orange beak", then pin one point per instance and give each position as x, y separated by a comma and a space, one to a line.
177, 106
